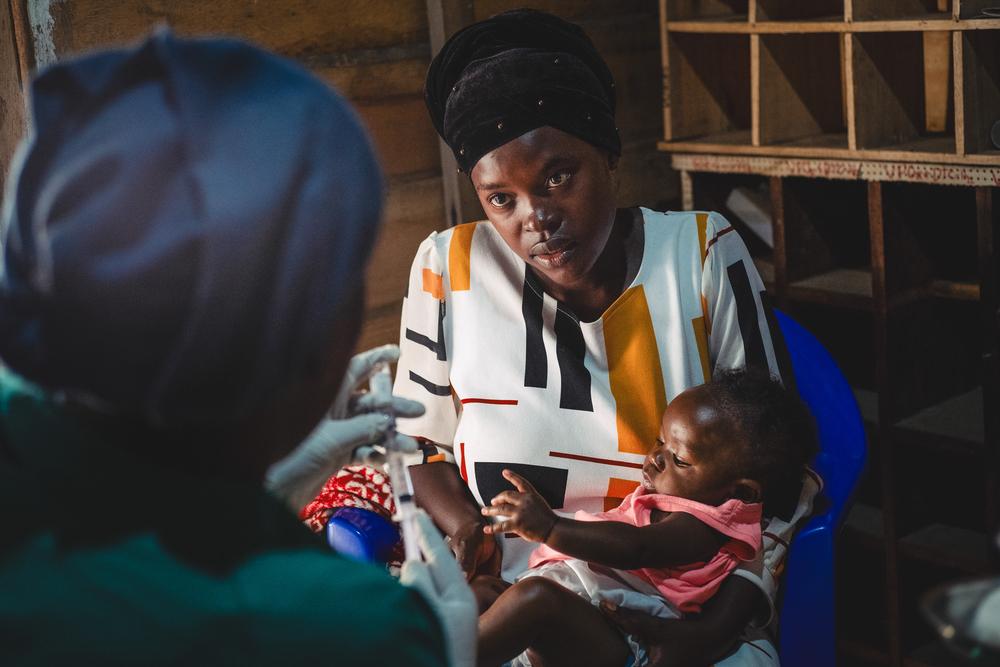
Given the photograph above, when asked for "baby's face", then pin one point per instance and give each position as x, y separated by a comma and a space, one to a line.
692, 457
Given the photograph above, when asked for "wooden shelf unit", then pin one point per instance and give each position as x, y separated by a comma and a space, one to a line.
897, 278
760, 78
865, 124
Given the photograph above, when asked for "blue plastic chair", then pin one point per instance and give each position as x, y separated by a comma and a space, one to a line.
807, 627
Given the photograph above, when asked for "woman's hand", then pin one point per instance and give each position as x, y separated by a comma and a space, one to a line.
475, 550
526, 512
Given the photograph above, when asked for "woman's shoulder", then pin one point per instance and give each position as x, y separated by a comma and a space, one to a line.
690, 233
708, 220
454, 240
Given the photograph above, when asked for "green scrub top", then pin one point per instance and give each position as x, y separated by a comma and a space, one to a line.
107, 558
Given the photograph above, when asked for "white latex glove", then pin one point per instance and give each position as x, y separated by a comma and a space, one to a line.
347, 434
442, 583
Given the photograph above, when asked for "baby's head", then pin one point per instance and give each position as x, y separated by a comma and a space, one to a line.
742, 435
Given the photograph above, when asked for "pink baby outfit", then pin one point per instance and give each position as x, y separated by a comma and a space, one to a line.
687, 587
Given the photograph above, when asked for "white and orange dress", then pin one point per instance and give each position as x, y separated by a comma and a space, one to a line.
511, 378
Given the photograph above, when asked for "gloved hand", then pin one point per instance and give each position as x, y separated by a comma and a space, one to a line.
347, 434
442, 583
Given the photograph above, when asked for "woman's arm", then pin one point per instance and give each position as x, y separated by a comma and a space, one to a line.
424, 374
678, 539
698, 640
440, 490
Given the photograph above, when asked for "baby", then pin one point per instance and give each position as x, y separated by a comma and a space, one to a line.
724, 448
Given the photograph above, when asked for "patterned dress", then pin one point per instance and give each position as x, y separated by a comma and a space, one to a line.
513, 379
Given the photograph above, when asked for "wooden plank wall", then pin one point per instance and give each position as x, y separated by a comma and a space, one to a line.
376, 53
12, 110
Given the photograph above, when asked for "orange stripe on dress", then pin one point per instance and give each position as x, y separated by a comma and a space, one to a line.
701, 337
617, 490
702, 220
433, 284
459, 254
635, 374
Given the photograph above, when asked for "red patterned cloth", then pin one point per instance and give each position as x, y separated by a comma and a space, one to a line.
354, 486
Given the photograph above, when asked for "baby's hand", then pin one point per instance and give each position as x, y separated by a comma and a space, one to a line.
527, 513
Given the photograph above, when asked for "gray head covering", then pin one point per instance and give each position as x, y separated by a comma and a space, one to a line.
182, 227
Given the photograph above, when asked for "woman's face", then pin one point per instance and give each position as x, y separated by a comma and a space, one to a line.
551, 197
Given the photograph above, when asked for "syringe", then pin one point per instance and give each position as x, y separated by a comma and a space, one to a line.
399, 474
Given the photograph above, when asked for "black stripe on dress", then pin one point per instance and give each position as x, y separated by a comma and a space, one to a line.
549, 482
778, 342
536, 363
746, 311
436, 389
570, 349
441, 352
437, 347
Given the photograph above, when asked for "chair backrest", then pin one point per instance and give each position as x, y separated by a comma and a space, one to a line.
807, 612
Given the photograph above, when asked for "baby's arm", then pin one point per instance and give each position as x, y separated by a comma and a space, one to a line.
678, 539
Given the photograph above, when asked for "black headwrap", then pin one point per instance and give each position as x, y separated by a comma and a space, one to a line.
520, 70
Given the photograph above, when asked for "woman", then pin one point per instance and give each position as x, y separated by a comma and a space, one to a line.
549, 339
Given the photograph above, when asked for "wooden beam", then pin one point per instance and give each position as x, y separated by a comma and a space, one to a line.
687, 191
665, 65
756, 94
13, 89
779, 230
932, 174
929, 22
883, 382
988, 227
958, 82
850, 100
22, 41
444, 18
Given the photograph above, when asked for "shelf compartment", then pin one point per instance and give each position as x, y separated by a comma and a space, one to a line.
861, 654
709, 93
796, 105
797, 10
890, 109
822, 226
864, 526
860, 570
931, 243
949, 546
847, 288
956, 421
933, 354
867, 401
933, 654
698, 10
884, 10
972, 9
980, 91
846, 333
